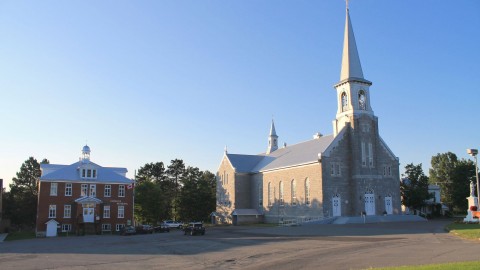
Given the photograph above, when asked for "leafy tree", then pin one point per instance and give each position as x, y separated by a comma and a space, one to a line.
414, 189
197, 197
149, 203
21, 201
151, 172
453, 176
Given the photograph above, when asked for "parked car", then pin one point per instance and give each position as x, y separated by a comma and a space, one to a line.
173, 224
128, 230
194, 228
161, 228
144, 229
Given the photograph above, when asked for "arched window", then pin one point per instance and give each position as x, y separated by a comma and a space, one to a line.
281, 193
344, 101
269, 194
362, 100
260, 194
307, 191
294, 192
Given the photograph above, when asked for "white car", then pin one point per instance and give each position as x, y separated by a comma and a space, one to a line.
173, 224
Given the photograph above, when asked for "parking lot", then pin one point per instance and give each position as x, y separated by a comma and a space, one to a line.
351, 246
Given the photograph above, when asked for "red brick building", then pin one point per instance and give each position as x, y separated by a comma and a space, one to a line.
83, 197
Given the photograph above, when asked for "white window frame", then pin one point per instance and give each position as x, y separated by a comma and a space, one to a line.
66, 227
118, 227
84, 190
106, 227
106, 211
68, 189
52, 211
53, 189
121, 191
67, 211
121, 211
107, 191
92, 190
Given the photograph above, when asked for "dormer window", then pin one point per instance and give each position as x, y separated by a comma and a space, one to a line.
89, 173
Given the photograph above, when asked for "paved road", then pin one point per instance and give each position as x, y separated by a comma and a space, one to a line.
351, 246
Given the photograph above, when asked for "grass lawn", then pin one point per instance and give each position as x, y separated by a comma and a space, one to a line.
19, 236
445, 266
468, 231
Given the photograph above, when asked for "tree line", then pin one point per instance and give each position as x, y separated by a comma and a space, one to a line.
447, 171
176, 192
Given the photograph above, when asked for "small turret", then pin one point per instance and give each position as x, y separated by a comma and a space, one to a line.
272, 139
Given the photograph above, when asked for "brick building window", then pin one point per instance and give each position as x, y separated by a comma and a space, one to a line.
52, 211
67, 211
121, 211
93, 190
106, 227
84, 190
121, 191
118, 227
106, 211
53, 189
108, 191
68, 189
66, 227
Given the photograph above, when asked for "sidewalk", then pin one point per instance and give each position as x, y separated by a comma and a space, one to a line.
3, 236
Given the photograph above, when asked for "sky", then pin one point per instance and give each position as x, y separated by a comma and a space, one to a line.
149, 81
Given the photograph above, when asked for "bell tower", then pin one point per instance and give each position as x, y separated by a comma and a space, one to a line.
353, 95
272, 140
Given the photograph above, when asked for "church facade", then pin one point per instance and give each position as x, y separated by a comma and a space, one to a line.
349, 173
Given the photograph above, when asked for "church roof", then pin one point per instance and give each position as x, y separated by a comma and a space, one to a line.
56, 172
297, 154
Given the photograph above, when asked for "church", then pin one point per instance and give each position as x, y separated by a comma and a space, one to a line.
351, 172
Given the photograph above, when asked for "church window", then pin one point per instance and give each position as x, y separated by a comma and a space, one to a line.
337, 169
269, 194
307, 191
364, 158
332, 169
389, 171
260, 194
281, 194
370, 155
362, 100
227, 178
294, 192
344, 101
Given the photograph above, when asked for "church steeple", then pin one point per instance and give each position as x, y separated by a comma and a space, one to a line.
272, 139
353, 96
351, 67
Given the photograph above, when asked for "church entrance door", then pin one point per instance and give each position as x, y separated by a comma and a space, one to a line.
388, 205
369, 204
337, 206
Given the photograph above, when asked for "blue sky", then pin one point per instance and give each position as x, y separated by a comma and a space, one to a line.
148, 81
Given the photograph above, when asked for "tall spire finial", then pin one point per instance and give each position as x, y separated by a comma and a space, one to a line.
351, 67
346, 1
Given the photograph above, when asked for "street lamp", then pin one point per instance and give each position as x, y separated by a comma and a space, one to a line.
473, 153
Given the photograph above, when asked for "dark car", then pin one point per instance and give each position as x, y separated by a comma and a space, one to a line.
194, 228
144, 229
161, 228
129, 230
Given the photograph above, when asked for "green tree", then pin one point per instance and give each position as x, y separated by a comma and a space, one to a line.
21, 201
175, 173
197, 196
151, 172
453, 176
149, 203
414, 189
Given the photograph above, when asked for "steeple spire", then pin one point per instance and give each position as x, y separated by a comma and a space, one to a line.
351, 67
272, 139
